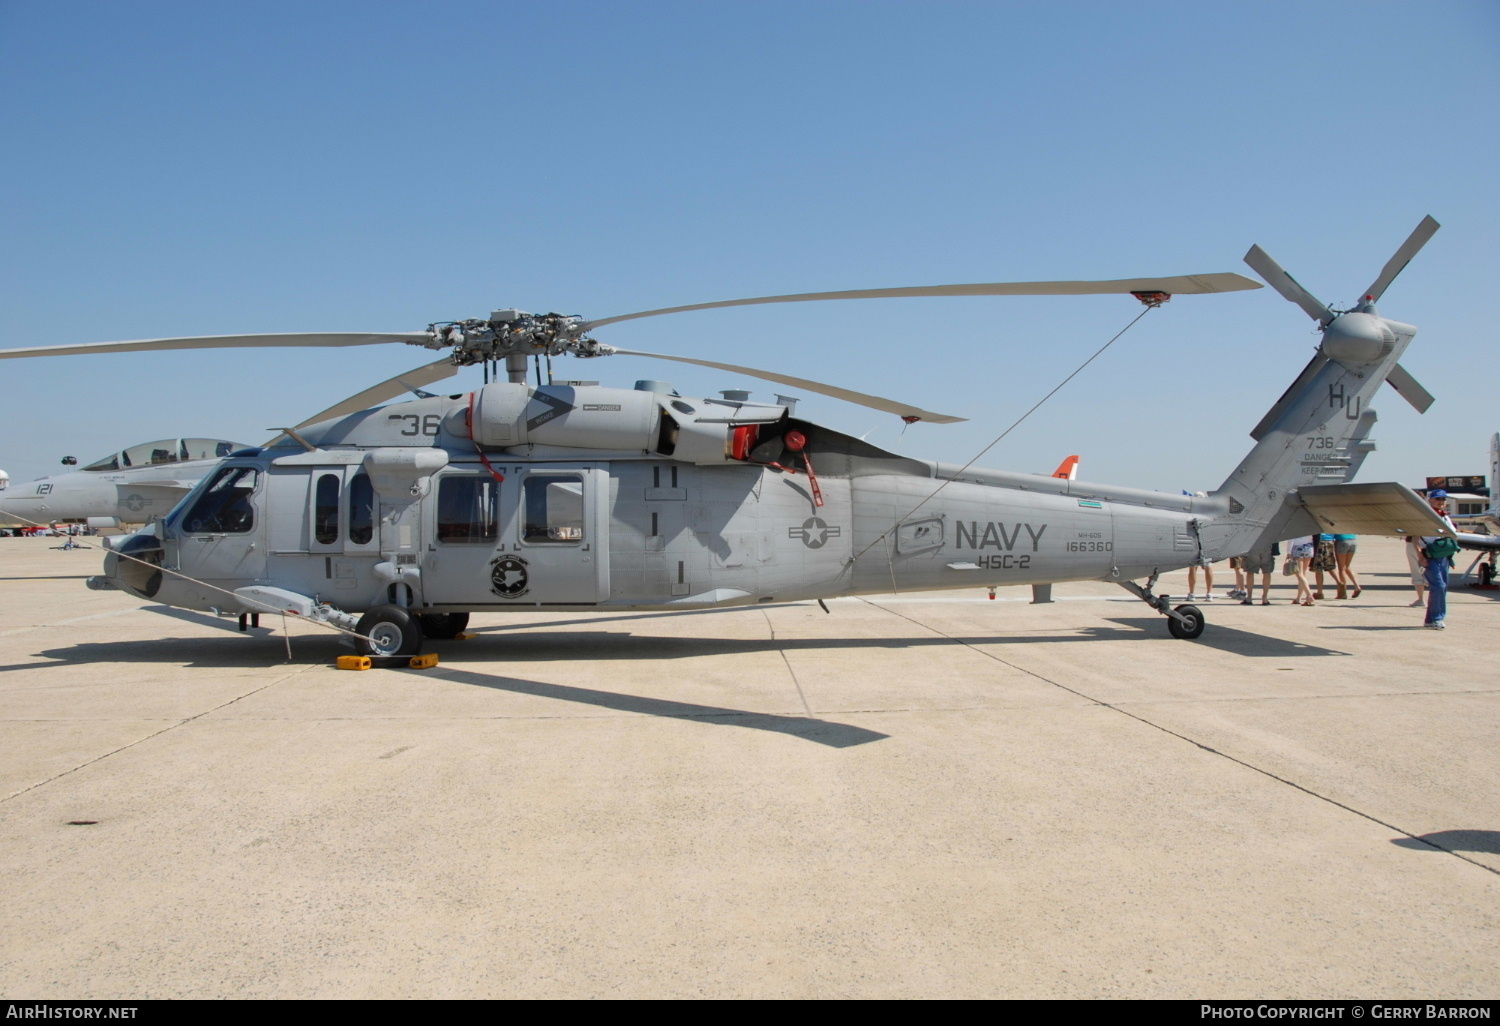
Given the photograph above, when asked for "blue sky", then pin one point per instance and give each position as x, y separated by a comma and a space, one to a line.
189, 168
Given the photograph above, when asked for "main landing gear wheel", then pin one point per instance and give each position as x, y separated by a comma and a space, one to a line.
1191, 624
391, 630
1486, 574
443, 626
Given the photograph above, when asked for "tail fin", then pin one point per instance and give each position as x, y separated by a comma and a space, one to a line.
1067, 469
1495, 469
1318, 432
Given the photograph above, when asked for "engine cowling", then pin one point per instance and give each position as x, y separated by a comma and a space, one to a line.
507, 415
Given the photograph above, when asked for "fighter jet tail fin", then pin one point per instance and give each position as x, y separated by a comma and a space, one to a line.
1067, 469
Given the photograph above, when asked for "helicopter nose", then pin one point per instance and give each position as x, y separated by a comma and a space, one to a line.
133, 565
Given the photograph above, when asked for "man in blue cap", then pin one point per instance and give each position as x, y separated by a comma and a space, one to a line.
1435, 555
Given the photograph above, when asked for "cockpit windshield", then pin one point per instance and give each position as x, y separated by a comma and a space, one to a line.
166, 450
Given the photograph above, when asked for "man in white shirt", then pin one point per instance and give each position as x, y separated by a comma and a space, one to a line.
1435, 567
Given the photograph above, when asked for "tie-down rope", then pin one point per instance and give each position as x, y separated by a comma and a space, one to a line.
902, 519
212, 587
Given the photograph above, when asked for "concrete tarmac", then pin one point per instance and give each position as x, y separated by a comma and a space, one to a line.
927, 795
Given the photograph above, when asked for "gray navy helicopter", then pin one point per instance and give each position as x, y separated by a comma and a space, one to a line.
397, 522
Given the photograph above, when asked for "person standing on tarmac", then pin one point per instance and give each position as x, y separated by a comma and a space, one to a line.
1436, 555
1414, 561
1343, 553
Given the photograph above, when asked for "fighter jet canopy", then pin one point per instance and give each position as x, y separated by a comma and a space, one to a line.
167, 450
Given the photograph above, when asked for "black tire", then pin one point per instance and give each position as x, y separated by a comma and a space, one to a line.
393, 632
442, 626
1486, 574
1189, 630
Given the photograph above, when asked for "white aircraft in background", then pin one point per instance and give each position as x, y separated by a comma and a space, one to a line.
1489, 521
133, 486
141, 484
1490, 518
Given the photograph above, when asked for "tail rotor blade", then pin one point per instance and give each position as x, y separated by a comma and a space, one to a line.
1262, 264
1409, 388
1394, 266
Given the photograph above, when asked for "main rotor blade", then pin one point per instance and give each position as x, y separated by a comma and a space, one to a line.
874, 402
336, 338
1414, 242
1261, 263
1182, 285
389, 389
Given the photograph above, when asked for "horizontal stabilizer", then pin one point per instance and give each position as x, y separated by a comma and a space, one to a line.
1381, 508
1411, 390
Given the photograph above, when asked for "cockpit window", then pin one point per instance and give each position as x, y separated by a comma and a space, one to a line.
168, 450
150, 454
326, 509
224, 507
208, 448
361, 509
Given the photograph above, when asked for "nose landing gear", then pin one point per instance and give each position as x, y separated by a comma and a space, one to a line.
388, 631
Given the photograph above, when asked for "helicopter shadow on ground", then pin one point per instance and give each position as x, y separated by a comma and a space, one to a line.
503, 628
227, 649
553, 645
250, 652
1228, 639
1235, 641
1485, 841
823, 732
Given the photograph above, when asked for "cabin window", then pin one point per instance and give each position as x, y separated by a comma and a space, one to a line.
554, 510
361, 509
468, 510
326, 509
224, 507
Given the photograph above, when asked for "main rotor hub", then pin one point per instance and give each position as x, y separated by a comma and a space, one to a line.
512, 333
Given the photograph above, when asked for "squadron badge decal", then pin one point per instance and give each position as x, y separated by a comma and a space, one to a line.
508, 576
